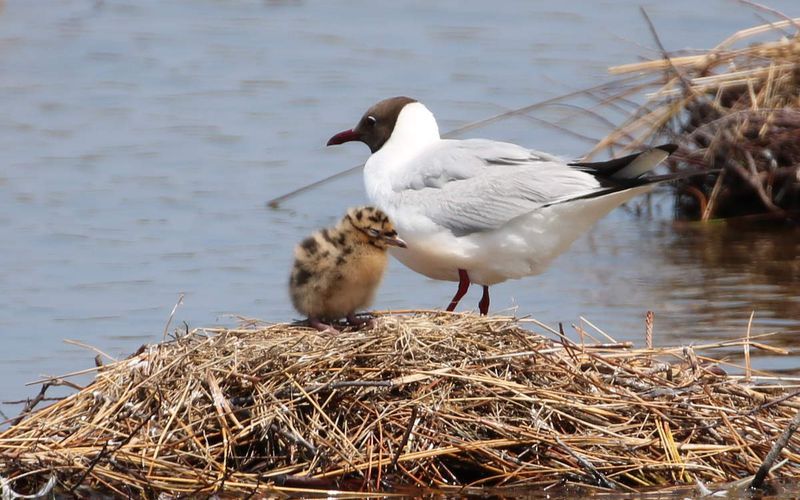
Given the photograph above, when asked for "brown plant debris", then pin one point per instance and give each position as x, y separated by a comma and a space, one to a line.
424, 399
735, 108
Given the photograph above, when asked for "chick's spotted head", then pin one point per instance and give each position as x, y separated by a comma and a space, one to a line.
375, 225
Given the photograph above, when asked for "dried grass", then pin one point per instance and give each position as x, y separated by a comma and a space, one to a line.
735, 108
425, 399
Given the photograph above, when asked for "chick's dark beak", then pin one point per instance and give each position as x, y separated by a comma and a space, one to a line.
342, 137
395, 241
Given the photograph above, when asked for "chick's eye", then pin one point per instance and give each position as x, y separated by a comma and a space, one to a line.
373, 232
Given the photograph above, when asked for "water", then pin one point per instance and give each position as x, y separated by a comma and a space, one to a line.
141, 140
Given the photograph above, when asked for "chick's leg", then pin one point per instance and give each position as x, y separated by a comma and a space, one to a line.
352, 320
319, 325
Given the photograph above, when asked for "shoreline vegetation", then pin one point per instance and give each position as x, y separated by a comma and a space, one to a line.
426, 399
733, 110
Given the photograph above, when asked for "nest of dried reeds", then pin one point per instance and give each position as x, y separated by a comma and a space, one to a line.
733, 108
427, 399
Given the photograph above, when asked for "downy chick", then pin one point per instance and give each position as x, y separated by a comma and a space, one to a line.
337, 270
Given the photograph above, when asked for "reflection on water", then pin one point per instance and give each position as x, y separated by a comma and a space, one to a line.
713, 277
734, 269
141, 140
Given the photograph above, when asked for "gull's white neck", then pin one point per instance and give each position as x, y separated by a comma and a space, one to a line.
414, 131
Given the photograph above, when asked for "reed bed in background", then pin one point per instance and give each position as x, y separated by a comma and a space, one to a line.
735, 108
424, 399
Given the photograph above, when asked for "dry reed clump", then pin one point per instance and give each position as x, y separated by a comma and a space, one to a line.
428, 399
731, 108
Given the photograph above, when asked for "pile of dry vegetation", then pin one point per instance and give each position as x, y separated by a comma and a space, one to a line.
735, 108
435, 400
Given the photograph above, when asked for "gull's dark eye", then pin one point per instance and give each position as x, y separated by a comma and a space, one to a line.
371, 120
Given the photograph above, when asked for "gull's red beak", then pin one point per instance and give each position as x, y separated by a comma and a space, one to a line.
342, 137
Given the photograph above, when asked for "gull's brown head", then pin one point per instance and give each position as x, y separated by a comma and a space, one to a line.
376, 126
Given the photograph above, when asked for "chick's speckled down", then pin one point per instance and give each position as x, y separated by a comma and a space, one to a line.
337, 270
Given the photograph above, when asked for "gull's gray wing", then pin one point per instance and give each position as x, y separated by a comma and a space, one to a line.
478, 185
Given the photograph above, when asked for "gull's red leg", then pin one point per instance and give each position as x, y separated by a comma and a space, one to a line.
483, 305
463, 286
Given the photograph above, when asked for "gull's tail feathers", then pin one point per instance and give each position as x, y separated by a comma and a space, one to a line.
627, 172
628, 167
